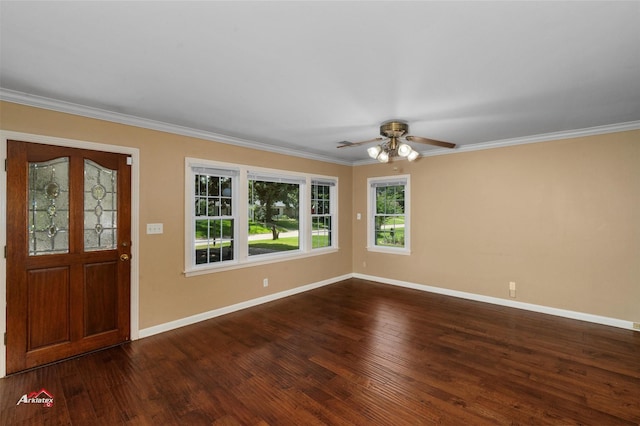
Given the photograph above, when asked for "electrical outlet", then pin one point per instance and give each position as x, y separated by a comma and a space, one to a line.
512, 289
265, 282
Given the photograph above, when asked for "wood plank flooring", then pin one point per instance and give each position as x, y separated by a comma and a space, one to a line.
355, 352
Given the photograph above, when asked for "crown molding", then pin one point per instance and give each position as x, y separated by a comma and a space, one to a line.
115, 117
101, 114
543, 137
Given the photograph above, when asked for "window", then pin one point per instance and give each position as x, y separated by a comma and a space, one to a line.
213, 215
274, 213
322, 212
239, 215
388, 219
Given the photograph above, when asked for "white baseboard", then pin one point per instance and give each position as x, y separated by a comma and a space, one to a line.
161, 328
581, 316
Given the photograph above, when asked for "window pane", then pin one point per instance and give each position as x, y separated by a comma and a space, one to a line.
273, 217
201, 185
225, 186
201, 206
49, 207
227, 230
389, 231
390, 216
213, 185
202, 230
214, 232
380, 200
100, 212
320, 215
213, 206
321, 232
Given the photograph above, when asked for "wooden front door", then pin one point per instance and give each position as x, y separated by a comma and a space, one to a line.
68, 252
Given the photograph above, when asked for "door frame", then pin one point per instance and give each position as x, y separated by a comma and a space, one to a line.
134, 153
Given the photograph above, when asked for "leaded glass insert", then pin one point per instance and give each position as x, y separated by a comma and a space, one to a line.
49, 207
100, 207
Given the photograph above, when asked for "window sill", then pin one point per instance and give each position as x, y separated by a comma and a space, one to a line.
389, 250
263, 259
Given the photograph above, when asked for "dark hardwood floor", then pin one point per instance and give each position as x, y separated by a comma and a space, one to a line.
355, 352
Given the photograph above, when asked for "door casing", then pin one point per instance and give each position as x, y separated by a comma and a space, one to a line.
134, 153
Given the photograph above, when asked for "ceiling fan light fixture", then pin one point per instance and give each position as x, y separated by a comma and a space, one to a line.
394, 142
413, 155
404, 149
383, 157
374, 151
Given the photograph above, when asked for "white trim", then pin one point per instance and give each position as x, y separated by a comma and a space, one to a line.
333, 211
172, 325
580, 316
389, 250
191, 166
241, 216
371, 208
115, 117
135, 226
101, 114
263, 259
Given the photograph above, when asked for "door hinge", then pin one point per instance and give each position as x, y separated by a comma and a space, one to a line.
5, 164
129, 161
5, 252
5, 339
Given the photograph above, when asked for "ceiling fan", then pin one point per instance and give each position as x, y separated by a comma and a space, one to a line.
394, 142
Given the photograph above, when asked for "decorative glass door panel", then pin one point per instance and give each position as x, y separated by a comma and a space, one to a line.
48, 213
68, 252
100, 207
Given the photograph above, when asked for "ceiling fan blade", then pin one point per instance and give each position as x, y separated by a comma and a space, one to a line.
347, 144
430, 141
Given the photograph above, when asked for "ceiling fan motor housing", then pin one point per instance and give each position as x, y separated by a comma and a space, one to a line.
394, 129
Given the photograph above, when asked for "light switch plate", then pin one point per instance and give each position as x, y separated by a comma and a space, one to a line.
154, 228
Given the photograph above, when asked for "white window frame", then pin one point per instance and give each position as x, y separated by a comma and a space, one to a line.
372, 183
332, 183
211, 170
280, 177
240, 214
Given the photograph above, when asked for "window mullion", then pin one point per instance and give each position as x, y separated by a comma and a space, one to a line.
242, 227
304, 234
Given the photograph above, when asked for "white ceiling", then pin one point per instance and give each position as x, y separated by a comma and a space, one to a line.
303, 76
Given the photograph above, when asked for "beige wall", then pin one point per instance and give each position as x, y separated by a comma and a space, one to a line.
165, 294
561, 219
